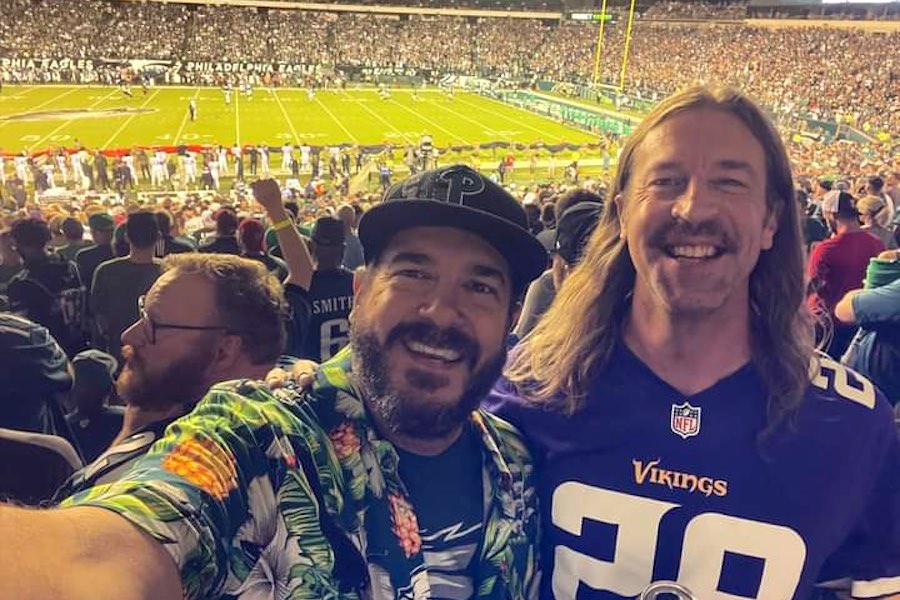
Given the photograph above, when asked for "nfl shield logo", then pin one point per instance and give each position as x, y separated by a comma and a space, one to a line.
685, 420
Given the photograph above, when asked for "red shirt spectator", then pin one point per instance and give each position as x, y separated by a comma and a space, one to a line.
838, 264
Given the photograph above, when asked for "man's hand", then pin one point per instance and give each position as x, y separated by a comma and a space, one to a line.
276, 378
301, 374
268, 194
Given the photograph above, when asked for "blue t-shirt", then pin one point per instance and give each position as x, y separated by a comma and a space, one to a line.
875, 351
644, 484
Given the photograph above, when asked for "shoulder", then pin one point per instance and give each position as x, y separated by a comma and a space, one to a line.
19, 277
15, 329
823, 248
510, 443
111, 264
504, 432
253, 404
837, 391
506, 403
86, 252
107, 269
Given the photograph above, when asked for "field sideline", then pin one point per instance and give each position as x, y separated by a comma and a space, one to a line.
102, 117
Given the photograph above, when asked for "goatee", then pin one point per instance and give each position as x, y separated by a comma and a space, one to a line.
408, 413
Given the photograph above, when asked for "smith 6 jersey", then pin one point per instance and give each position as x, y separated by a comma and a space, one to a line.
644, 484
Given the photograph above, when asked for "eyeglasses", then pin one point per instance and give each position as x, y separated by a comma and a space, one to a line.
151, 326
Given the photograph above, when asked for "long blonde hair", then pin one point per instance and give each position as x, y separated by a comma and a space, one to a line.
576, 337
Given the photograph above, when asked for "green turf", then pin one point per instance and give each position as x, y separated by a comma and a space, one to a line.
332, 117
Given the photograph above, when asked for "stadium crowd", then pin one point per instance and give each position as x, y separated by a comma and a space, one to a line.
671, 10
818, 72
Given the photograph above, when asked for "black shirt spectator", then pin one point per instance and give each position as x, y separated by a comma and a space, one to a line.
94, 423
330, 293
119, 283
73, 231
34, 378
48, 290
169, 244
88, 259
225, 241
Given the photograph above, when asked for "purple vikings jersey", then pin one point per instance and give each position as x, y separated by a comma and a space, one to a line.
645, 484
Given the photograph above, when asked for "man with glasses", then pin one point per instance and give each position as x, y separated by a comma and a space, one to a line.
208, 318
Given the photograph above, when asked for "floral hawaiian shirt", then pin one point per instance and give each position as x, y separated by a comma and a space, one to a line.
262, 494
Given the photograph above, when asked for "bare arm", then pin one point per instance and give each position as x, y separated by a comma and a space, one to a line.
294, 250
843, 310
81, 554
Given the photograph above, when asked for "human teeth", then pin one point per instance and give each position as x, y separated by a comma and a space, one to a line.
441, 353
694, 251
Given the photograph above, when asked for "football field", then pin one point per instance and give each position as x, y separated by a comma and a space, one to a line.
36, 118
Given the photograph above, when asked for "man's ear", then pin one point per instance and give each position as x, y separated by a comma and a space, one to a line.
229, 352
361, 278
770, 227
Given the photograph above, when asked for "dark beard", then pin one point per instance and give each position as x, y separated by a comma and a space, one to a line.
409, 416
180, 383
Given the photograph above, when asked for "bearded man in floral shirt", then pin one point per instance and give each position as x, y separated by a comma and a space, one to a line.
383, 481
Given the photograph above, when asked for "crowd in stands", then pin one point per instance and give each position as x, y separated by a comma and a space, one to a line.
831, 74
719, 11
518, 5
56, 28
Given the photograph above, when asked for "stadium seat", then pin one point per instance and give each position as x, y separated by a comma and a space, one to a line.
34, 465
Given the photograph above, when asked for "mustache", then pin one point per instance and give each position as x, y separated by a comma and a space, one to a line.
427, 332
678, 229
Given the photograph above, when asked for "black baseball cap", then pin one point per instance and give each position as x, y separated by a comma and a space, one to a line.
459, 197
328, 231
574, 229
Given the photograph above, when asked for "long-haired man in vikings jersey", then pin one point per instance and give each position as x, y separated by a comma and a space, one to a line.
684, 427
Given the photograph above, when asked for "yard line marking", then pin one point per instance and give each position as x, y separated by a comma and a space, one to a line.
543, 132
69, 122
380, 118
432, 123
43, 104
184, 120
336, 120
444, 106
237, 118
286, 117
21, 91
129, 120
